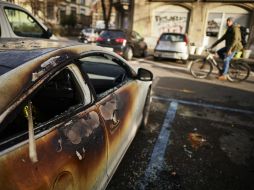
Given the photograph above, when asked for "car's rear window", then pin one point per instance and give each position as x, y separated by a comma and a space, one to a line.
172, 37
112, 34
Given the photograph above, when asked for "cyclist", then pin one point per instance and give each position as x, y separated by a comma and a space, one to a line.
233, 45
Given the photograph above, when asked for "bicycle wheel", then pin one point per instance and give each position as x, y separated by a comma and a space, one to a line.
200, 68
238, 72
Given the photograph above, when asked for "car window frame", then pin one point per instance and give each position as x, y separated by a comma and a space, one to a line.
44, 31
131, 74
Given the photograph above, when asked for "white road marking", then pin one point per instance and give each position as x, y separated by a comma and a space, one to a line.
157, 158
203, 105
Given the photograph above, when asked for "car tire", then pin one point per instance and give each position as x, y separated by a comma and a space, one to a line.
128, 53
146, 109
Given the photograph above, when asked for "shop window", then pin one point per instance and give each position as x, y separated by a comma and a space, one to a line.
216, 24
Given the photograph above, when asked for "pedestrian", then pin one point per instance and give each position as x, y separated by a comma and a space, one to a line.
233, 45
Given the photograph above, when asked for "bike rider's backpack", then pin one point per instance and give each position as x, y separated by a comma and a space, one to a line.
244, 34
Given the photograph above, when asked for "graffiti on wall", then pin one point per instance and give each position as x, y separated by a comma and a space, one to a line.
169, 22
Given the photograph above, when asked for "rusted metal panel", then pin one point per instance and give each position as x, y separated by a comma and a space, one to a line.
116, 110
78, 147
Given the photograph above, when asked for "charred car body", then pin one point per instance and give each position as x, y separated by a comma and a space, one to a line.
68, 113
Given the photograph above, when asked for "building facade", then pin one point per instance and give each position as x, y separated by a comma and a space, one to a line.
203, 20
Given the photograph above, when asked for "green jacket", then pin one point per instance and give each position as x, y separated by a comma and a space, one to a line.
232, 38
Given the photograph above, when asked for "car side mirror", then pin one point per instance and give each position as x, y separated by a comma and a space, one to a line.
47, 34
144, 75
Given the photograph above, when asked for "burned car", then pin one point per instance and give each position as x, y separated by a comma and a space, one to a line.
68, 113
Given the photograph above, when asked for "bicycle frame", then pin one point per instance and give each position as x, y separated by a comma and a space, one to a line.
210, 58
201, 68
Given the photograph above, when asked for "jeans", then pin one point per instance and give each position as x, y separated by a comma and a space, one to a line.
226, 59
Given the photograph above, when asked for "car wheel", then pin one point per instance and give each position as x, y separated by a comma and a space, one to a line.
128, 54
146, 109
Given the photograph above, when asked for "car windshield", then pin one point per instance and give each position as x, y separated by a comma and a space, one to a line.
172, 37
112, 34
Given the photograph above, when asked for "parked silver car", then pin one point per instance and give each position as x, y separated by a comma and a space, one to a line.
173, 46
17, 22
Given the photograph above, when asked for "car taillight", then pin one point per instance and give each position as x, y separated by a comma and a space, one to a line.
186, 40
121, 40
99, 39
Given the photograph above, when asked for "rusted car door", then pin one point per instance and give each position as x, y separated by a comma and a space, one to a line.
118, 110
117, 94
70, 138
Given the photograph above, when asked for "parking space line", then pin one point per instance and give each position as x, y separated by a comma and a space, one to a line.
157, 158
203, 105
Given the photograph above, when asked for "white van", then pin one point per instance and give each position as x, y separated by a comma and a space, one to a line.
17, 22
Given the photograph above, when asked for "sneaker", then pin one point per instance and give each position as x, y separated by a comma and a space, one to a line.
222, 77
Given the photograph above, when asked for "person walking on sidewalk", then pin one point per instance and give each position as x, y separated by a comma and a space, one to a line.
233, 45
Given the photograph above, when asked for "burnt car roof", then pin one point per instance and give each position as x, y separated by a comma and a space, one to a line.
15, 52
25, 60
33, 43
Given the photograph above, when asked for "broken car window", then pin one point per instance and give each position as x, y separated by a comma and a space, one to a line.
104, 73
52, 99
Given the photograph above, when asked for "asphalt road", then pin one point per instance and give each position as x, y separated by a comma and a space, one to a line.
200, 134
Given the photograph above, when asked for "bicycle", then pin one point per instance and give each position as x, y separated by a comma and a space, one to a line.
202, 68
